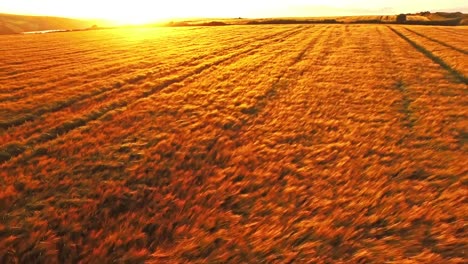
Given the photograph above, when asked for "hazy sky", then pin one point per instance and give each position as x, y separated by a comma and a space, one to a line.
144, 10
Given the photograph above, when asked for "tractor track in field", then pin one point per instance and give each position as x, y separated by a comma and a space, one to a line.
438, 41
118, 86
249, 116
30, 133
417, 141
456, 74
13, 150
406, 102
116, 66
254, 112
91, 73
414, 113
279, 92
409, 119
272, 92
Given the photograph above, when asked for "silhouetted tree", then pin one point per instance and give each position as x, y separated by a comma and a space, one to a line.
401, 19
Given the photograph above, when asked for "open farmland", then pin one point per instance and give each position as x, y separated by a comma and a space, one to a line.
239, 144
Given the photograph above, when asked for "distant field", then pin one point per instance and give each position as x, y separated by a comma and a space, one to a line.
239, 144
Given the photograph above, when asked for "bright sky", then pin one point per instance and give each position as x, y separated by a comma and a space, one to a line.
139, 11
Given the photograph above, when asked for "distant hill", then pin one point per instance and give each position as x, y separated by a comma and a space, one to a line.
422, 18
444, 18
12, 24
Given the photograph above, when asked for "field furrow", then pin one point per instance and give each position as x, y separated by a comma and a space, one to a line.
116, 66
159, 51
117, 51
463, 49
435, 99
60, 122
318, 138
49, 105
449, 59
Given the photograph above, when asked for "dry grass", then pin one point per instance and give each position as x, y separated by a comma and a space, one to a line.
259, 144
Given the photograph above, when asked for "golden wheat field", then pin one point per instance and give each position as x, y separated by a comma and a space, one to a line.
237, 144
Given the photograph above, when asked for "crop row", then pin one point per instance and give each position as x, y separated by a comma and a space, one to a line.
157, 54
118, 50
166, 67
56, 123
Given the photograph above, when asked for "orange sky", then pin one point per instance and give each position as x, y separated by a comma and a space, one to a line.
139, 11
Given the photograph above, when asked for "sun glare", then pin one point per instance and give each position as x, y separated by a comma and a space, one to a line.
133, 19
138, 13
143, 12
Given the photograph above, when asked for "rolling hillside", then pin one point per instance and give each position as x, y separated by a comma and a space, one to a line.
11, 24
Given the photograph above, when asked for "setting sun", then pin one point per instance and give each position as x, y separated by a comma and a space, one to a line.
130, 14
